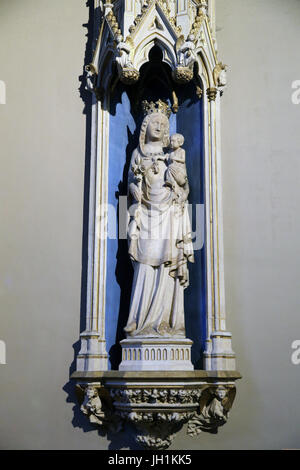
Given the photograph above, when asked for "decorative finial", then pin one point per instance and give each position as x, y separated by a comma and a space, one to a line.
157, 107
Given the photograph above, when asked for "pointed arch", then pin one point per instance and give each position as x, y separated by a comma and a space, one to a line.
142, 50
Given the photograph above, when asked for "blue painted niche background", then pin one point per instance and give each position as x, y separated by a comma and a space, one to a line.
123, 139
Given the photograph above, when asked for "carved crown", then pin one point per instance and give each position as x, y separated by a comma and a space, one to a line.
157, 107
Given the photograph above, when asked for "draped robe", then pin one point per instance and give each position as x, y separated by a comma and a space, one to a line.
160, 246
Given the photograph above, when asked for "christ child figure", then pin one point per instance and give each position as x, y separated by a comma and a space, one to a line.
176, 173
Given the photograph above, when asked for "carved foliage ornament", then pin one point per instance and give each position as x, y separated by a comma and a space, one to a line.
157, 414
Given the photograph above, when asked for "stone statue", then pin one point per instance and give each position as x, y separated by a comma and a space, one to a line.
122, 53
214, 406
176, 175
186, 51
214, 414
92, 405
160, 244
220, 75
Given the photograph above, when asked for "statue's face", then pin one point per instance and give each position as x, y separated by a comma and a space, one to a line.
156, 127
90, 392
175, 142
221, 393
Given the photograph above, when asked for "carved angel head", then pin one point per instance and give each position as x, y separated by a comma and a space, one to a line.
220, 393
91, 392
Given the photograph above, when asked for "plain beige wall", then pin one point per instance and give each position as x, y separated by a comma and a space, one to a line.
42, 142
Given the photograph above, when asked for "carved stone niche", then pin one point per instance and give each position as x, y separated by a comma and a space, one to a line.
157, 404
156, 389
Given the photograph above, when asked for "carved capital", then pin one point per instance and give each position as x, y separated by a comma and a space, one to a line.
183, 74
212, 93
129, 76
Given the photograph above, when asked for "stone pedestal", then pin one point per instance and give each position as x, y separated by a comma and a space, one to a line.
161, 354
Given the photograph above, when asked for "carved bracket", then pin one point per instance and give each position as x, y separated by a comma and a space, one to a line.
158, 408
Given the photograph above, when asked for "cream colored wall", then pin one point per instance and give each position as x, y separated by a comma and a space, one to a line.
260, 40
42, 142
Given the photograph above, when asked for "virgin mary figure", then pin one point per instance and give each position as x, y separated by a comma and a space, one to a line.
159, 234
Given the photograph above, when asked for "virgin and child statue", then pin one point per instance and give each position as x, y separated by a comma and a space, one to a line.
159, 234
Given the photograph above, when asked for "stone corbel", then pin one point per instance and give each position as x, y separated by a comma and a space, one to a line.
157, 404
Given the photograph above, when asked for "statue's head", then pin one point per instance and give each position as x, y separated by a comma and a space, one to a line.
90, 392
155, 126
221, 392
176, 141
